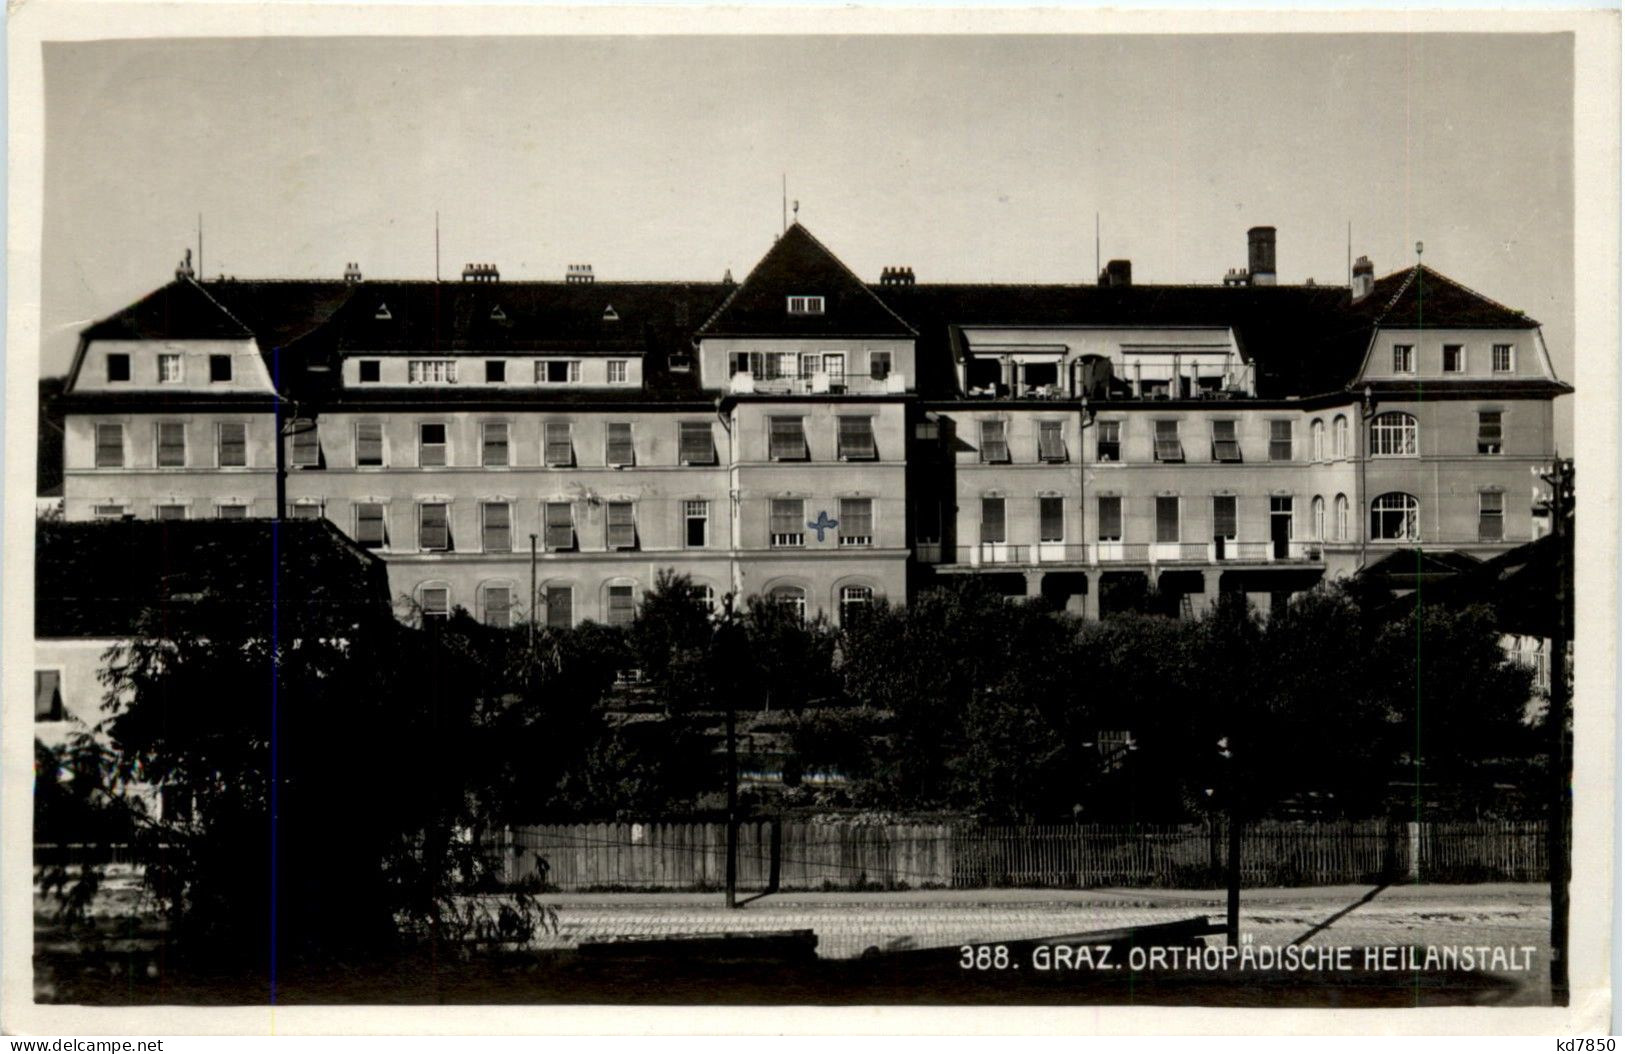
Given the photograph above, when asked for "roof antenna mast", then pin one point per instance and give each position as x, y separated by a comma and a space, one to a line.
784, 203
437, 245
1097, 241
200, 244
1348, 275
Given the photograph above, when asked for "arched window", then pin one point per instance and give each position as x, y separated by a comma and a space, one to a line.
1396, 517
1340, 436
1340, 518
792, 597
1393, 434
1317, 440
1317, 518
855, 600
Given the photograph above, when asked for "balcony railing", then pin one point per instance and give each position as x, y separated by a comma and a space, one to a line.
818, 384
1107, 554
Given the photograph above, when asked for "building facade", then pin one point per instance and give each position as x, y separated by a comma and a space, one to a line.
543, 449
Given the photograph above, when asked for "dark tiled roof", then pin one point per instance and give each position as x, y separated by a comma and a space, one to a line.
1301, 337
1422, 297
111, 580
799, 264
1520, 584
525, 317
182, 309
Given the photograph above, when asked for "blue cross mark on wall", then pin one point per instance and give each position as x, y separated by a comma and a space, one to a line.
823, 523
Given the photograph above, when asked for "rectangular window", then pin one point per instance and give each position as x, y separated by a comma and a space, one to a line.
219, 368
1108, 440
306, 443
696, 523
109, 446
786, 442
992, 528
1168, 446
1224, 517
559, 371
1489, 432
560, 526
810, 363
370, 529
1491, 505
232, 444
431, 371
857, 521
806, 305
1455, 360
496, 371
496, 527
855, 438
434, 528
1051, 444
1111, 519
785, 522
995, 450
169, 512
559, 452
560, 607
368, 371
435, 602
369, 444
1051, 519
623, 608
47, 695
431, 444
171, 444
169, 369
118, 367
1404, 358
617, 371
879, 365
305, 510
621, 531
1501, 358
231, 512
107, 512
694, 443
618, 443
498, 603
1167, 519
1226, 447
1280, 440
494, 444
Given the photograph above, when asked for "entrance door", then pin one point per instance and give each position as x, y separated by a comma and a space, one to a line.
1281, 527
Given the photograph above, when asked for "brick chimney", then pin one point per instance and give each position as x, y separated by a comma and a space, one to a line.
1117, 272
578, 274
1261, 256
897, 276
1363, 279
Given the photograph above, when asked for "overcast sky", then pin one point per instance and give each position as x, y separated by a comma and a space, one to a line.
967, 158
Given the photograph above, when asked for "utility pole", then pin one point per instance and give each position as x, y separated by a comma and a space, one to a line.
1232, 869
724, 655
732, 875
1560, 505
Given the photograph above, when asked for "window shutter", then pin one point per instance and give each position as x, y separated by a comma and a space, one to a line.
1224, 516
696, 447
856, 438
369, 525
560, 526
1111, 519
109, 446
1051, 520
1051, 447
233, 444
171, 444
433, 531
494, 450
994, 447
369, 443
992, 520
1167, 519
559, 451
618, 443
621, 525
857, 521
785, 439
560, 605
496, 534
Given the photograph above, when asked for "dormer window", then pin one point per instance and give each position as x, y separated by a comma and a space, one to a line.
498, 315
382, 314
806, 305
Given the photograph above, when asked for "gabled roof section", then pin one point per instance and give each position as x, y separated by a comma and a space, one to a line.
1423, 298
181, 310
799, 265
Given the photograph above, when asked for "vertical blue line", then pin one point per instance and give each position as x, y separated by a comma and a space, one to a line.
276, 565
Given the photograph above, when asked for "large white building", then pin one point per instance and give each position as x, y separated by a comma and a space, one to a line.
809, 435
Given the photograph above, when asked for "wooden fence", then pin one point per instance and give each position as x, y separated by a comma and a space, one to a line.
794, 855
